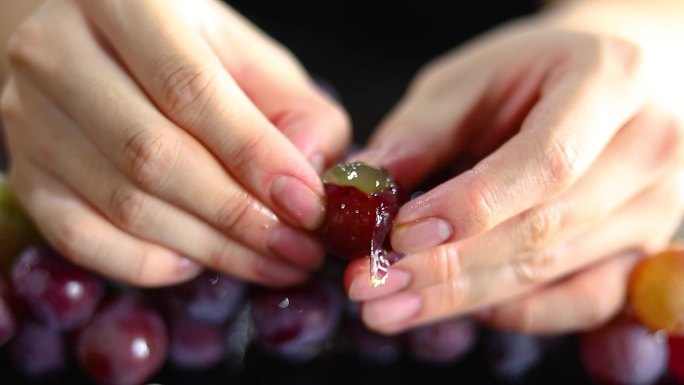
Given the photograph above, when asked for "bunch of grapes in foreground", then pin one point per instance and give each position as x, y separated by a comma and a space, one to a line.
58, 321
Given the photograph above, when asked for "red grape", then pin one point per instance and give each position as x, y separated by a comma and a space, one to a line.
656, 290
195, 344
361, 203
8, 321
443, 343
511, 355
623, 352
59, 294
37, 350
676, 365
211, 297
295, 322
124, 344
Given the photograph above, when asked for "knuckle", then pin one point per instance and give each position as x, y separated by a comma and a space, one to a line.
183, 85
560, 162
622, 54
24, 44
538, 267
235, 212
151, 157
541, 226
247, 151
67, 237
483, 206
453, 294
126, 207
446, 263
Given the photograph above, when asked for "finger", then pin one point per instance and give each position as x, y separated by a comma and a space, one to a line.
154, 153
653, 143
455, 293
188, 83
570, 305
131, 209
277, 84
89, 240
581, 107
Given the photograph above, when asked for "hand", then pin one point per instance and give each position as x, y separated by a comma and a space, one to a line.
579, 160
149, 138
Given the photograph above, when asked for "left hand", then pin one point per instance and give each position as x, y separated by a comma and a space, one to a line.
582, 139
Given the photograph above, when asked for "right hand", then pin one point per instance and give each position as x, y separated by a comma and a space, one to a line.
142, 132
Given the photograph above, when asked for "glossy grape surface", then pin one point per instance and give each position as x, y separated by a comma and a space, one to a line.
194, 344
211, 297
59, 294
296, 322
361, 203
656, 291
124, 344
444, 342
623, 352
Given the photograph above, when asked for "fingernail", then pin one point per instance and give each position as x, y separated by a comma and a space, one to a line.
298, 200
396, 309
420, 235
277, 272
361, 288
187, 267
317, 162
296, 247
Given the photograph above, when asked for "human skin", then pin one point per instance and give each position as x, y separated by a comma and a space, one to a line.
150, 139
575, 115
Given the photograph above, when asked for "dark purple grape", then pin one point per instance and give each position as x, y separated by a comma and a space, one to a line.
442, 343
38, 351
296, 322
211, 297
676, 361
8, 320
624, 352
195, 344
511, 355
369, 346
124, 344
59, 294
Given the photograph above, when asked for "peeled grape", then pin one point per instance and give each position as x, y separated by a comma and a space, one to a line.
211, 297
676, 364
37, 350
124, 344
511, 355
194, 344
361, 203
296, 322
59, 294
443, 343
623, 352
656, 291
8, 321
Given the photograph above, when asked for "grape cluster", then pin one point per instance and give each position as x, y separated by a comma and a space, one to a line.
57, 319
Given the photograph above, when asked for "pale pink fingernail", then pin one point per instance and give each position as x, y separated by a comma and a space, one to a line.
187, 267
317, 162
296, 247
362, 289
393, 310
420, 235
298, 200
